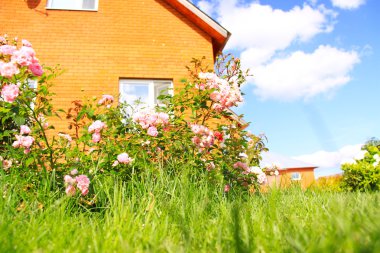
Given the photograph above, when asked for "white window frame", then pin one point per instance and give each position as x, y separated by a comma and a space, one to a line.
49, 6
295, 176
151, 86
33, 84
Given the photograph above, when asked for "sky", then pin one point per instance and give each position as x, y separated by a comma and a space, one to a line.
315, 87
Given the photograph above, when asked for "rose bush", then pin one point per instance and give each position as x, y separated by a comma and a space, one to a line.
195, 126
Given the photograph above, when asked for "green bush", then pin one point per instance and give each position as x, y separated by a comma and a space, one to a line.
364, 174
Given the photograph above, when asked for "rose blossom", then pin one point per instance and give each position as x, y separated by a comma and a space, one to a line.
204, 137
36, 69
7, 49
24, 129
106, 99
6, 164
83, 183
218, 135
26, 43
23, 141
151, 119
227, 188
152, 131
10, 92
261, 178
69, 180
96, 137
124, 158
242, 166
96, 127
70, 190
24, 56
8, 69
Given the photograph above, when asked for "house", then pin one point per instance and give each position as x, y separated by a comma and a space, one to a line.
136, 48
291, 171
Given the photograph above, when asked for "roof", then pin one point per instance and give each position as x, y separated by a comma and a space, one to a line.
217, 32
242, 123
284, 162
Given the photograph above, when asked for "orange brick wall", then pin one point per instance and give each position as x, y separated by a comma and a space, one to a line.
123, 39
307, 177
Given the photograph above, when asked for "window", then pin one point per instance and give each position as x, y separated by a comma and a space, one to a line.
147, 91
32, 83
85, 5
296, 176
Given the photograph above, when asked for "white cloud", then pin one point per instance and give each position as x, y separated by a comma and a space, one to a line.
263, 35
347, 4
326, 160
263, 27
302, 75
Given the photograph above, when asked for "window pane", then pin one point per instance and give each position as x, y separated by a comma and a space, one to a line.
161, 88
89, 4
32, 83
296, 176
66, 4
131, 92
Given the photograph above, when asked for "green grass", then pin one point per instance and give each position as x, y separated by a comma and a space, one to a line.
174, 214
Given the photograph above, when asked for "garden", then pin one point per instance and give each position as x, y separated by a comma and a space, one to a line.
181, 177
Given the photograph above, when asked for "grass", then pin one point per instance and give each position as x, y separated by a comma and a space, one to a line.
177, 214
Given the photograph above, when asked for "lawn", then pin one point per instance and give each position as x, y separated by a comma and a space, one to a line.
164, 213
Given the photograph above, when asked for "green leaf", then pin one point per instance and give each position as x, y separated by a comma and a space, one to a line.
29, 161
19, 120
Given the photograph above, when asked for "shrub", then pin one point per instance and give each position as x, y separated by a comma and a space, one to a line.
364, 174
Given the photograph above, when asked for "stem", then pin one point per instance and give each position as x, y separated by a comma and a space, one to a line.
208, 113
44, 137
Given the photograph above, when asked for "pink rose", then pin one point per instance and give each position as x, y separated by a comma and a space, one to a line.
10, 92
215, 96
26, 43
163, 117
24, 56
69, 180
106, 99
36, 69
241, 165
83, 182
6, 164
152, 131
84, 191
70, 190
74, 172
8, 69
24, 129
96, 137
96, 127
23, 141
7, 49
27, 141
227, 188
124, 158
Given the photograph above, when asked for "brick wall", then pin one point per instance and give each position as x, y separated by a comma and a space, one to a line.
123, 39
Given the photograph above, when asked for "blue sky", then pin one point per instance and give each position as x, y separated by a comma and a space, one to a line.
315, 88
